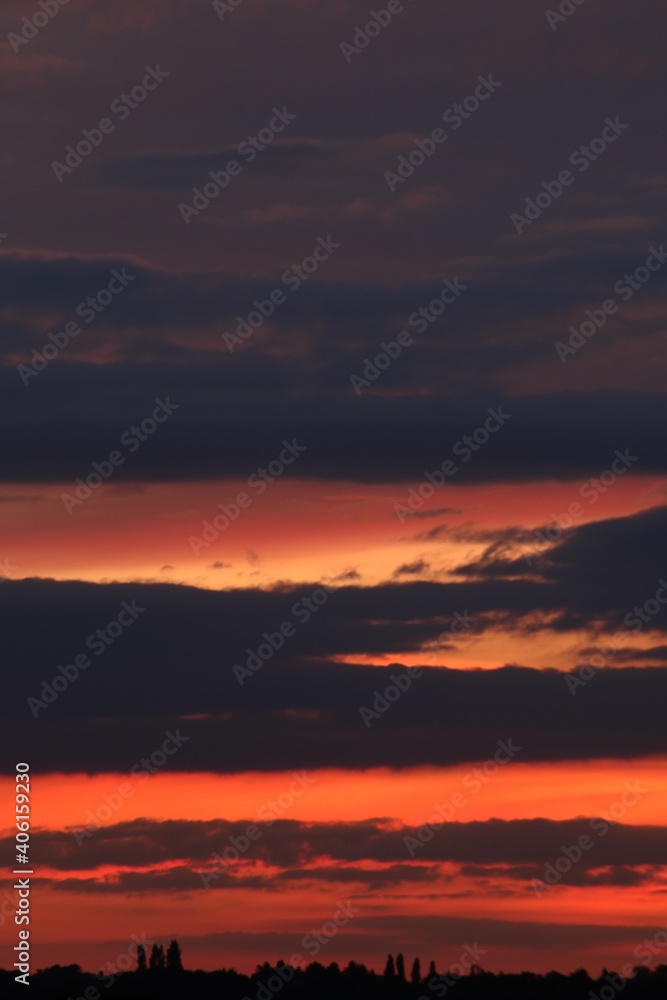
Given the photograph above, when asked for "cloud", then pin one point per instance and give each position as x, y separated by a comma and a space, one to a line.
303, 708
619, 559
301, 849
601, 576
346, 442
185, 879
415, 568
346, 576
437, 512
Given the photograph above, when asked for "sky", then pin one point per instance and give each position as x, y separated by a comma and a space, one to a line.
333, 485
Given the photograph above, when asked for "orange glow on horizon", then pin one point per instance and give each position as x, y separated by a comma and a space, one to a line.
141, 531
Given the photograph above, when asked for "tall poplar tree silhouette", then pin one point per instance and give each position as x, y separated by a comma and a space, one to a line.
400, 966
174, 962
141, 958
156, 963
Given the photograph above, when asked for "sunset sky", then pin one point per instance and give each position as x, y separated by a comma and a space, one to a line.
201, 452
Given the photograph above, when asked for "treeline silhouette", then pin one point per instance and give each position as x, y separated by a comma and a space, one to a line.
161, 976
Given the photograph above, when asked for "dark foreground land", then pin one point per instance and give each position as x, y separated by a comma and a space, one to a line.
331, 983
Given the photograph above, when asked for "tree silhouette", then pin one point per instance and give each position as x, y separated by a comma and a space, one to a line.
156, 963
141, 958
416, 974
356, 982
400, 966
174, 963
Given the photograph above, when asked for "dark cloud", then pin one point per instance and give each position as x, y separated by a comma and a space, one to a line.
415, 568
345, 576
179, 171
619, 558
300, 848
617, 716
184, 879
587, 874
339, 321
568, 437
438, 512
633, 654
602, 576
